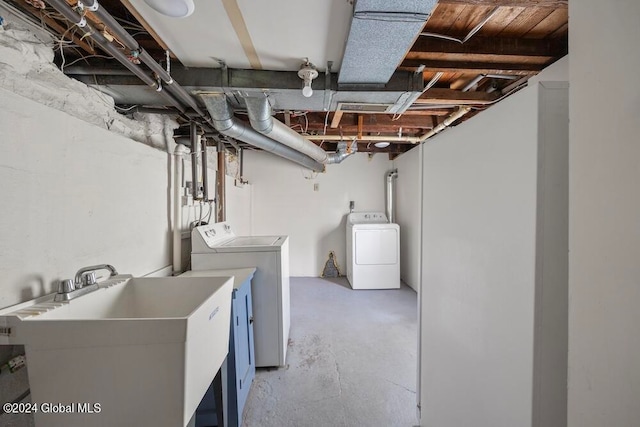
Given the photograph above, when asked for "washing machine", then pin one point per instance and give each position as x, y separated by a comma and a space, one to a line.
373, 251
216, 246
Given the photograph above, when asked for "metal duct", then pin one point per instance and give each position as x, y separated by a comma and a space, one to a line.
262, 121
391, 175
227, 124
381, 34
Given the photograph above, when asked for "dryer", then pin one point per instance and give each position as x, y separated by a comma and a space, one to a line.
216, 246
373, 251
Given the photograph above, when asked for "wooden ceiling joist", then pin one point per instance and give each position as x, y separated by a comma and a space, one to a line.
469, 67
509, 3
450, 96
493, 46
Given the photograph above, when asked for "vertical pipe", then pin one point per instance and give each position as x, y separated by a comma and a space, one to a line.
391, 175
193, 135
178, 170
205, 171
220, 183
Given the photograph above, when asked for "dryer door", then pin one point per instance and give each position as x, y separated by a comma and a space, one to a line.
376, 247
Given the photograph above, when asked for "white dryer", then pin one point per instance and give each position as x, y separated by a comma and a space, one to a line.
216, 246
373, 251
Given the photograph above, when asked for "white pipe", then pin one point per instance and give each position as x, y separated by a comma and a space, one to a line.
446, 123
178, 170
374, 138
391, 175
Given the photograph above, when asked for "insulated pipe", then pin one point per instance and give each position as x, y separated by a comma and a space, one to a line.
178, 171
391, 175
261, 120
63, 8
227, 124
132, 44
446, 123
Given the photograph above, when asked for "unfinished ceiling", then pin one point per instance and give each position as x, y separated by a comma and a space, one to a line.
446, 61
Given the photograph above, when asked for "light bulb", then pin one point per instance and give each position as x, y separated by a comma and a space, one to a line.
307, 91
382, 144
172, 8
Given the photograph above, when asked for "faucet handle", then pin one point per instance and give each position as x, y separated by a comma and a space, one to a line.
65, 286
89, 278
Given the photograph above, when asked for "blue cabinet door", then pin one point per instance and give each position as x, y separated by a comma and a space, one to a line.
245, 368
239, 367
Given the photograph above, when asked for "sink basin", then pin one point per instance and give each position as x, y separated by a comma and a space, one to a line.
144, 349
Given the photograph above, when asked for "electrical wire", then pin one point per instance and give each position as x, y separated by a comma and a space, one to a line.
326, 121
89, 56
210, 211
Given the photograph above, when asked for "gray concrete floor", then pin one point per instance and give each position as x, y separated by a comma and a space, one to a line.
351, 360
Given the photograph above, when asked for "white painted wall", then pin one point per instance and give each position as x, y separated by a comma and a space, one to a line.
284, 202
408, 211
238, 206
604, 238
75, 195
489, 340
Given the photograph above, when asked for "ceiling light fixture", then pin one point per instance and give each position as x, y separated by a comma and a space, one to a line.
172, 8
382, 144
307, 73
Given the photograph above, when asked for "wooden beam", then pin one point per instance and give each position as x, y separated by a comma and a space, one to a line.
493, 46
473, 67
373, 123
337, 116
555, 4
456, 97
360, 124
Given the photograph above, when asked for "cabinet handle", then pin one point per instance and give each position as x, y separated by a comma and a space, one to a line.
250, 319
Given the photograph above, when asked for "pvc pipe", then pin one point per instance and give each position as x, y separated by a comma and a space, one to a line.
446, 123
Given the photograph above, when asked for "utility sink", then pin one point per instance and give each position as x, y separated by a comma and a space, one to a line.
144, 349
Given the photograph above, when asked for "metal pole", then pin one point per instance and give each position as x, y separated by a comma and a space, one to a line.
193, 135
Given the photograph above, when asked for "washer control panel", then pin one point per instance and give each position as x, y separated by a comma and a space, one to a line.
215, 234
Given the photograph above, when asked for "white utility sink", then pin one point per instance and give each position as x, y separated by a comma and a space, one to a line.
145, 349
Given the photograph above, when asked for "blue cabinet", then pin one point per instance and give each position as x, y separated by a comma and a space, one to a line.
231, 387
241, 366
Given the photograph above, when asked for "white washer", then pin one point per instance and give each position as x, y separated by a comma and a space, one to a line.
373, 251
215, 246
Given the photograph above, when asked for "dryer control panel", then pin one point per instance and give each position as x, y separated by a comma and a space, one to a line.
367, 218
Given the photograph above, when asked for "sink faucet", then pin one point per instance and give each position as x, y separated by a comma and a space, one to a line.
84, 282
90, 279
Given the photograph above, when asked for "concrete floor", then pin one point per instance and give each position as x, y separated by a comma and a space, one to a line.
351, 360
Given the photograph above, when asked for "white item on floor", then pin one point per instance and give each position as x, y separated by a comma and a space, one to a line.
216, 246
373, 251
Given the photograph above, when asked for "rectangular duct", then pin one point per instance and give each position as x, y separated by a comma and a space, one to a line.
381, 34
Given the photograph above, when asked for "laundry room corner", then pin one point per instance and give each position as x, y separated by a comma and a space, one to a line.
312, 207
